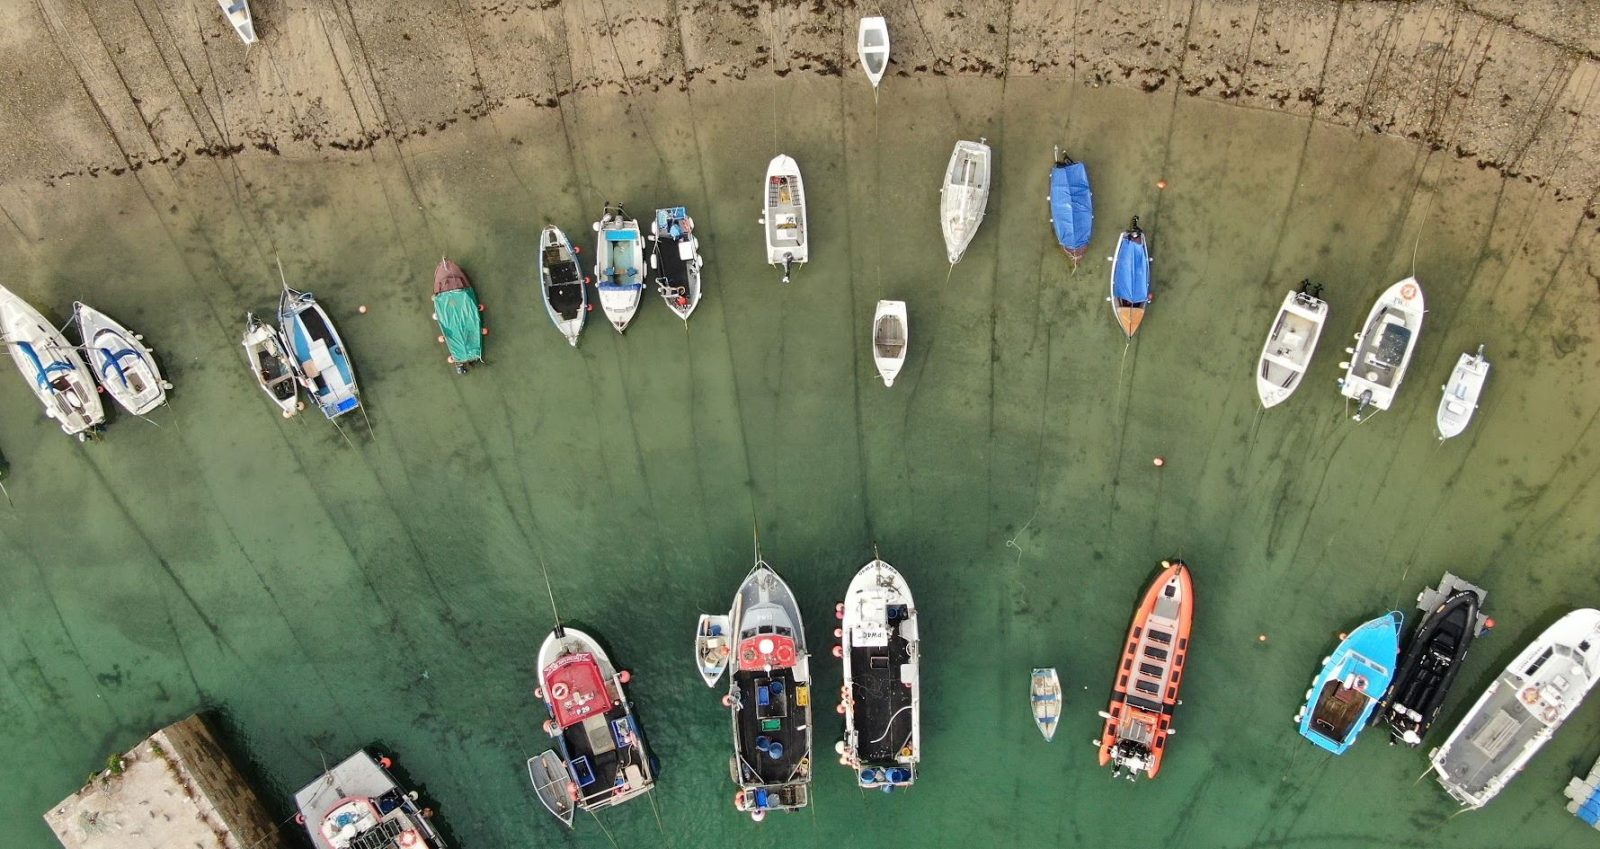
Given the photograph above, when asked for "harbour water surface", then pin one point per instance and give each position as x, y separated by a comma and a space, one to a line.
324, 591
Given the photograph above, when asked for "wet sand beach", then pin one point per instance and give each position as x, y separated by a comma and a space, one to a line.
323, 594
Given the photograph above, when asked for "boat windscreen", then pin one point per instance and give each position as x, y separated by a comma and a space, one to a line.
1392, 347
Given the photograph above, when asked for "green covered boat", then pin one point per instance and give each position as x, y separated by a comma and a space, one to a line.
456, 308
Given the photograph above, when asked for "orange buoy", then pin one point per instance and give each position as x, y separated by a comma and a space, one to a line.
300, 818
738, 799
625, 676
1161, 184
838, 651
727, 701
1262, 638
362, 309
839, 710
486, 331
1343, 635
441, 340
838, 632
386, 762
550, 727
538, 693
1160, 462
1488, 623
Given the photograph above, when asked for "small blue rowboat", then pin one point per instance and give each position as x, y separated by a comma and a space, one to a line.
1071, 206
1130, 279
319, 354
1351, 682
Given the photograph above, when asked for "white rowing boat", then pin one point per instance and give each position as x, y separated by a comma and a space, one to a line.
891, 335
872, 45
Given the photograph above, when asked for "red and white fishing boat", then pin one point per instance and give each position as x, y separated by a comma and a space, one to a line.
1139, 720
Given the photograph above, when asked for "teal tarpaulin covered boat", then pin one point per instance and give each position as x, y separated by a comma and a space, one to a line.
456, 308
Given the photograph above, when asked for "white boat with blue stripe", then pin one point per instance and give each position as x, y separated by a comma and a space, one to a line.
120, 361
53, 369
619, 266
318, 352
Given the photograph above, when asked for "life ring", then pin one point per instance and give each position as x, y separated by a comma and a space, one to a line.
1530, 696
786, 653
408, 838
559, 690
1361, 683
748, 655
1408, 291
906, 752
300, 818
1550, 713
738, 800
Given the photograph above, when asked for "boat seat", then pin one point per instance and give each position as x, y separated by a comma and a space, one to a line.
1292, 341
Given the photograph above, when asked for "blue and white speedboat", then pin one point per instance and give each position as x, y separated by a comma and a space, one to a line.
319, 354
1130, 279
53, 369
619, 266
1351, 682
1071, 206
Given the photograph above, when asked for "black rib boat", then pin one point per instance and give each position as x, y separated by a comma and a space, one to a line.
1430, 662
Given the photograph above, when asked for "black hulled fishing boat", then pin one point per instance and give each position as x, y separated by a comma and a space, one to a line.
1452, 618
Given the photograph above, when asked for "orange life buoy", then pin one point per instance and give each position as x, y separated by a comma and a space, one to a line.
1530, 696
1550, 713
1408, 291
1361, 683
408, 838
748, 655
300, 818
786, 653
559, 690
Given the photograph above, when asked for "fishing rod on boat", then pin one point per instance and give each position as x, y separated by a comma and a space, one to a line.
559, 631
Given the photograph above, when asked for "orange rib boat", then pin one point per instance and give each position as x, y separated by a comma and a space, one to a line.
1140, 716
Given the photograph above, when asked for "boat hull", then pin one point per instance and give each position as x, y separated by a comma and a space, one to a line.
1130, 280
891, 338
1345, 693
268, 359
619, 267
1385, 345
675, 260
1145, 693
1071, 207
1432, 658
52, 367
320, 357
238, 14
459, 315
964, 197
566, 297
872, 47
1461, 394
1290, 345
358, 802
1521, 710
712, 647
881, 695
1044, 696
769, 697
783, 215
121, 362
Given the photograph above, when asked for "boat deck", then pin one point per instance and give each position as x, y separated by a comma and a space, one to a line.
882, 700
773, 718
786, 212
890, 338
1379, 359
361, 777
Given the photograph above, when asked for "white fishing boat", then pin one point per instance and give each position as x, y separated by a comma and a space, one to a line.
783, 215
1461, 394
120, 361
1287, 354
1045, 694
872, 45
566, 298
965, 196
52, 367
675, 260
891, 333
238, 14
712, 646
881, 649
1521, 710
1384, 346
266, 354
359, 805
619, 266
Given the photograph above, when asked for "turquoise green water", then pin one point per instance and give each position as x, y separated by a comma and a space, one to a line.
323, 595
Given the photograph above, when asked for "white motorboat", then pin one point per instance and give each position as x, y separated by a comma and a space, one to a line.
1384, 346
712, 646
675, 260
52, 367
238, 14
872, 45
1287, 353
1045, 694
882, 655
566, 297
1521, 710
358, 805
965, 196
267, 356
619, 266
120, 361
891, 334
1461, 394
783, 215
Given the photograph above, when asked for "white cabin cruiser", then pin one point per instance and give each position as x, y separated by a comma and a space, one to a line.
1384, 347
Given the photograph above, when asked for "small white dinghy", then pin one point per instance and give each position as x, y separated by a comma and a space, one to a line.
1461, 394
965, 196
270, 363
891, 333
238, 13
712, 647
120, 361
1046, 697
783, 215
1287, 354
52, 367
1384, 346
619, 266
872, 45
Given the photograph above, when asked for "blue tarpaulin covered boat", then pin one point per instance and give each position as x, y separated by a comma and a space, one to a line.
1130, 279
1071, 206
1351, 682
